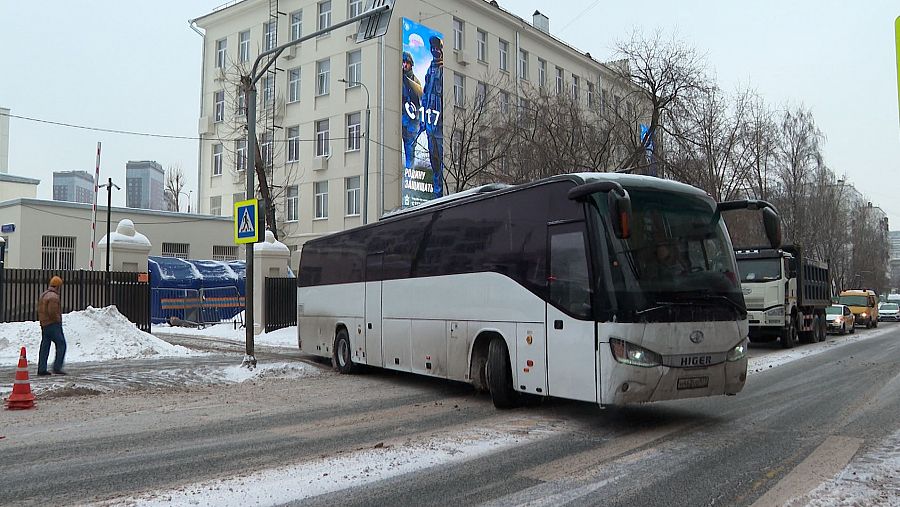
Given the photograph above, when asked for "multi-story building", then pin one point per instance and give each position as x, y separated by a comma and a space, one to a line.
312, 123
73, 186
144, 185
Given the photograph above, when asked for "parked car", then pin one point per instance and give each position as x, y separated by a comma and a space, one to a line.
889, 311
840, 319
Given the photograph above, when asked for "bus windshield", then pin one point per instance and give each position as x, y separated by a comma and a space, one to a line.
678, 264
759, 270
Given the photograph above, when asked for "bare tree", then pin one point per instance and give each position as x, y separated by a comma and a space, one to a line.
658, 73
174, 185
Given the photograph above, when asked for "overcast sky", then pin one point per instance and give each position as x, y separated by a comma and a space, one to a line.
136, 66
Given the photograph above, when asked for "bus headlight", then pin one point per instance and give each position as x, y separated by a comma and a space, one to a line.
775, 312
633, 355
737, 353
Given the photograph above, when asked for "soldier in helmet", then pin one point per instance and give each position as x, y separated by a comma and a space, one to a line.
412, 101
433, 104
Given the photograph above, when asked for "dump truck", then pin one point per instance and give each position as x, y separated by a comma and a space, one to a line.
786, 293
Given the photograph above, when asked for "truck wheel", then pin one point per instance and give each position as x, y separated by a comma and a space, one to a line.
789, 335
340, 358
822, 328
499, 375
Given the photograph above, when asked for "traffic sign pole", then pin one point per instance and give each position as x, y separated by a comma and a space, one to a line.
372, 23
897, 37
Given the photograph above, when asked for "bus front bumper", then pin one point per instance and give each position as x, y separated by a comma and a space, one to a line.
636, 384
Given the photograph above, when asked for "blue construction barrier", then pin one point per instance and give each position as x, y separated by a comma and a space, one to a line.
196, 290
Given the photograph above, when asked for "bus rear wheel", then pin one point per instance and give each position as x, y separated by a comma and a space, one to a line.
499, 375
340, 358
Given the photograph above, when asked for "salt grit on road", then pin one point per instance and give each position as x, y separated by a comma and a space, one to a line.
763, 363
327, 475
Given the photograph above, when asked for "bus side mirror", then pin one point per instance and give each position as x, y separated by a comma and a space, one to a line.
772, 224
620, 213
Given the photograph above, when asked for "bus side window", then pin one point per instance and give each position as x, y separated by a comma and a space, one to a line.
570, 287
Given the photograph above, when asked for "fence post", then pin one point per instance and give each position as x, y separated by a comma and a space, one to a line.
2, 270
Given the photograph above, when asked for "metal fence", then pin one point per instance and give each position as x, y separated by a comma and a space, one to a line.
129, 292
281, 303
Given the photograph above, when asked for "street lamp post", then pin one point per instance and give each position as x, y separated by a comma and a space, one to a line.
365, 205
109, 186
2, 269
188, 195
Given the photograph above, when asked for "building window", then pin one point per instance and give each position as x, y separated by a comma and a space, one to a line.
480, 94
265, 150
269, 90
459, 28
323, 76
297, 24
604, 98
294, 85
217, 159
354, 68
459, 90
215, 205
523, 64
293, 144
575, 87
542, 73
178, 250
481, 42
504, 51
559, 80
58, 252
323, 145
352, 185
240, 154
225, 252
237, 197
219, 105
244, 46
504, 102
590, 94
353, 132
292, 203
221, 53
324, 14
355, 8
321, 190
270, 35
241, 106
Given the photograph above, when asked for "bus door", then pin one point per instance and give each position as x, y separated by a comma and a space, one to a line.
571, 358
373, 282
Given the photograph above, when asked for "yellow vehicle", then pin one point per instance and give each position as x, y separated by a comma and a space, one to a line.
864, 305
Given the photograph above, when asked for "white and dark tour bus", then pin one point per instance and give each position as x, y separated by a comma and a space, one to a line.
599, 287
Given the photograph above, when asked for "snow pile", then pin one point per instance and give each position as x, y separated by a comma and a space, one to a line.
95, 334
872, 478
237, 373
354, 469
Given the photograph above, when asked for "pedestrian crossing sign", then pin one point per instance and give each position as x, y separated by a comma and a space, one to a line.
246, 221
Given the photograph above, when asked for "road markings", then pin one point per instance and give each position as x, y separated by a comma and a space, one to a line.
827, 460
578, 464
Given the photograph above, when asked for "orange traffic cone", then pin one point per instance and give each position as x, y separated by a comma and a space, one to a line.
21, 397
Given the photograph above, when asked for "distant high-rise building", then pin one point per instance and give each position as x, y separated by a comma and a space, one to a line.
73, 186
4, 140
144, 185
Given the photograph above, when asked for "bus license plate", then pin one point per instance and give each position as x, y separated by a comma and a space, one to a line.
693, 382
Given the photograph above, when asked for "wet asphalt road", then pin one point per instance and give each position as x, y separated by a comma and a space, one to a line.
714, 451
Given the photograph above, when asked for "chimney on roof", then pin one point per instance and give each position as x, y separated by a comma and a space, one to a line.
540, 22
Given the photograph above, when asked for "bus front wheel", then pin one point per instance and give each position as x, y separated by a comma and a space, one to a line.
341, 359
499, 375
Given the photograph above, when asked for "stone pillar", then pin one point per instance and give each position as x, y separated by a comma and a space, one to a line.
128, 249
271, 258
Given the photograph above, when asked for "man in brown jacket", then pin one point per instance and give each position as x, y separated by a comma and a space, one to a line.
50, 315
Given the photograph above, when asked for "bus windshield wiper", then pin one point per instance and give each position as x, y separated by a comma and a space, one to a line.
688, 298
